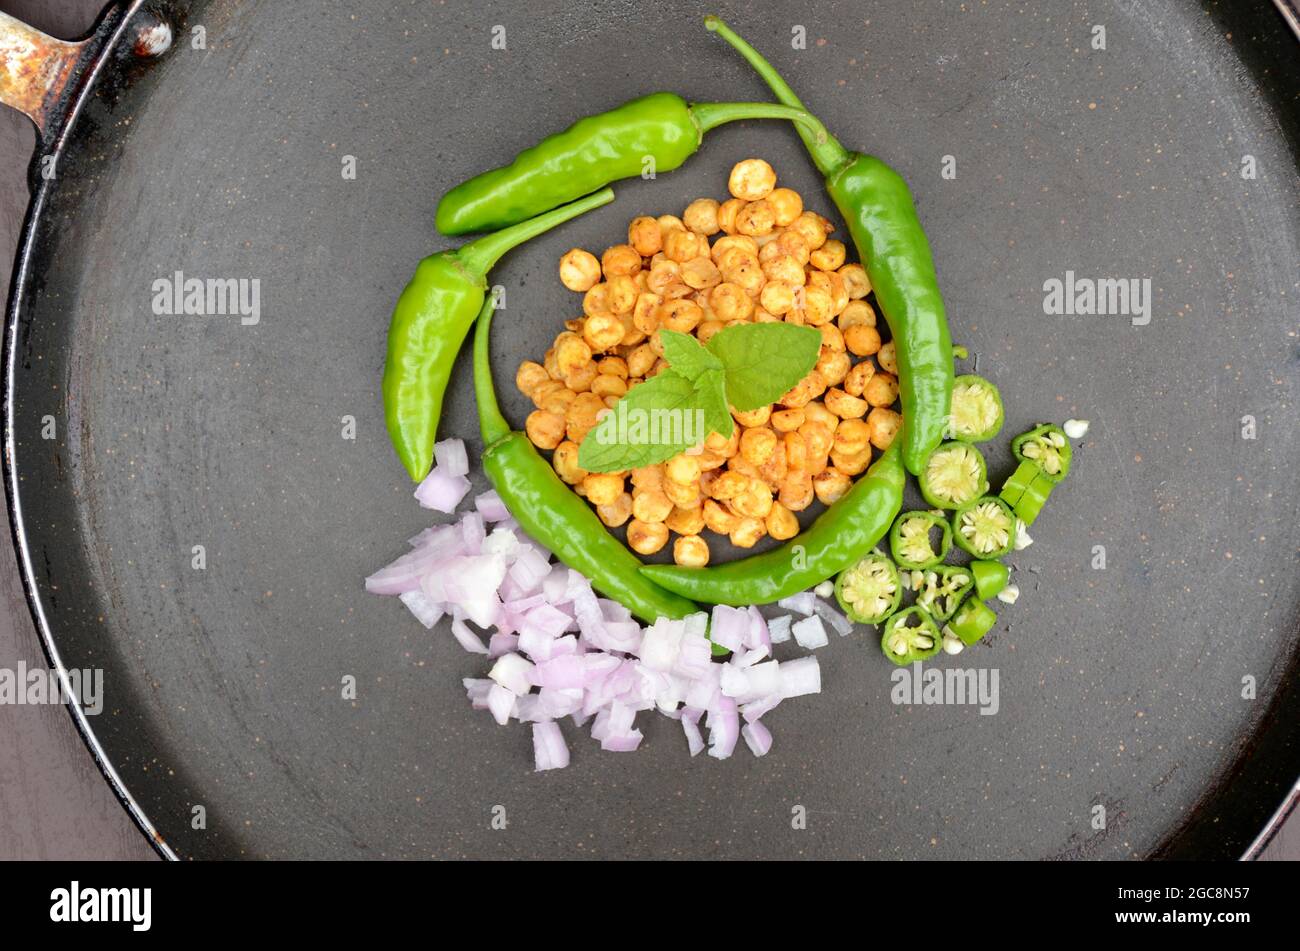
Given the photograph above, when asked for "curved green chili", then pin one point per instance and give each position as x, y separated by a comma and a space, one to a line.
877, 206
550, 512
661, 128
839, 537
430, 322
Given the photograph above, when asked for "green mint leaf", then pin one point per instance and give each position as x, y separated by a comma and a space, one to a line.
762, 361
686, 355
712, 399
655, 421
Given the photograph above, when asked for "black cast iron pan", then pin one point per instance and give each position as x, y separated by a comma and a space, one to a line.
1120, 687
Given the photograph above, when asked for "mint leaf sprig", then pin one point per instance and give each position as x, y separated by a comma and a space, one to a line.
744, 366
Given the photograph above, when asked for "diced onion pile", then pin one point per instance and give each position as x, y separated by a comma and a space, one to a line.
559, 650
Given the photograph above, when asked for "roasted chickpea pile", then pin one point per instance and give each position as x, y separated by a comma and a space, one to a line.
758, 256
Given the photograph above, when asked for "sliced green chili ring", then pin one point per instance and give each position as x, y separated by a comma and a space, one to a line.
990, 578
905, 643
972, 621
869, 591
1048, 448
909, 539
940, 589
953, 475
976, 414
1026, 491
986, 527
1018, 481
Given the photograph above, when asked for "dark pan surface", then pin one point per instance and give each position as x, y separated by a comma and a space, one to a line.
1120, 687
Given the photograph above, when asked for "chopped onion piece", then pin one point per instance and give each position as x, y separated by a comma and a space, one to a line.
661, 643
810, 633
778, 628
694, 739
477, 691
441, 491
467, 638
512, 672
427, 611
800, 677
549, 748
838, 622
450, 456
724, 728
805, 602
730, 627
757, 737
490, 506
500, 702
760, 707
499, 644
758, 637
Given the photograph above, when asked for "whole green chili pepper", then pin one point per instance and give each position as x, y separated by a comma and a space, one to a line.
591, 153
839, 537
985, 527
550, 512
878, 209
905, 643
953, 475
430, 322
909, 540
990, 578
869, 591
972, 621
976, 409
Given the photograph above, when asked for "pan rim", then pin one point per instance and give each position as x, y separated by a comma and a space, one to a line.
23, 272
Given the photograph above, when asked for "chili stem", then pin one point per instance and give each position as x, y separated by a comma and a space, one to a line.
710, 115
480, 255
827, 153
490, 421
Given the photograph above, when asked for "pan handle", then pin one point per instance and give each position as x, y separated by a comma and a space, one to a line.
35, 69
39, 75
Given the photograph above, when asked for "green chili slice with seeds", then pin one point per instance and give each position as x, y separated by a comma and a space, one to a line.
909, 539
940, 589
905, 643
953, 475
869, 591
986, 527
1047, 447
976, 414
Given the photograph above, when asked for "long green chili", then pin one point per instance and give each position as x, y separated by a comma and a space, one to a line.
550, 512
430, 323
878, 209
